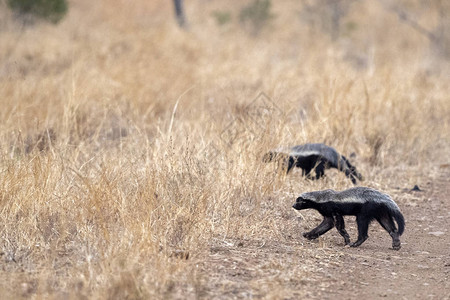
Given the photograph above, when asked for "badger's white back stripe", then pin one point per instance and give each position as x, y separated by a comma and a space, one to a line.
350, 200
352, 195
306, 150
305, 153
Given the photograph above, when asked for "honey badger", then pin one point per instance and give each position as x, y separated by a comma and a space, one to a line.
313, 156
365, 203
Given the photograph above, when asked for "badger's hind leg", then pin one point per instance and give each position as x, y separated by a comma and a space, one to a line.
323, 227
363, 227
388, 224
320, 169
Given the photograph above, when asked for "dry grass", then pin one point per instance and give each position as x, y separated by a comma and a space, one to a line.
115, 163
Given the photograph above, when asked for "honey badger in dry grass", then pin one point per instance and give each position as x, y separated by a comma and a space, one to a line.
365, 203
313, 156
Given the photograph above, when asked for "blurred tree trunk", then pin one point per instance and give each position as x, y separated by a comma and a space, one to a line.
179, 11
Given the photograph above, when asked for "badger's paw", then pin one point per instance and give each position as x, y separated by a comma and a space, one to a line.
310, 236
396, 246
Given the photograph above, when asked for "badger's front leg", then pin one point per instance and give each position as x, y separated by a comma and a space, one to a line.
340, 226
323, 227
289, 163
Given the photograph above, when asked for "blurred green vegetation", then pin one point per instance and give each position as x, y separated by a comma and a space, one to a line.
257, 14
50, 10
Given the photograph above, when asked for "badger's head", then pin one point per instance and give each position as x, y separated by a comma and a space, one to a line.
354, 174
301, 203
308, 200
358, 175
304, 201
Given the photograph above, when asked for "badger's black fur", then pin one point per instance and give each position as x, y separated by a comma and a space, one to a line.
365, 203
313, 156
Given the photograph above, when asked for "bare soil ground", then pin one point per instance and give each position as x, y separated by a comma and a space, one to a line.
419, 270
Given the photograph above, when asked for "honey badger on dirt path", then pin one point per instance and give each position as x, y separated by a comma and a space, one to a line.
365, 203
313, 156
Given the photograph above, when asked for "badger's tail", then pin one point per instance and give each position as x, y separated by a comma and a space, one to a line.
349, 170
397, 215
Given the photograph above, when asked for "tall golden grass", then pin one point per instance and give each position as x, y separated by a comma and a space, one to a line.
130, 147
